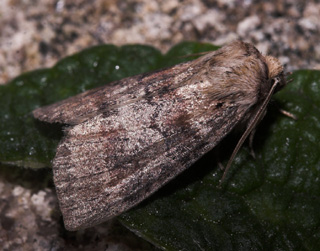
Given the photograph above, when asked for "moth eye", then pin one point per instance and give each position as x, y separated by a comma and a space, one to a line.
219, 105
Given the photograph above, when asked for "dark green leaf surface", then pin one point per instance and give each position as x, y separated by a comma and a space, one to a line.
271, 202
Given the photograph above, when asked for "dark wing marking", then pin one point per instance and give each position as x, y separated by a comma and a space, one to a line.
79, 108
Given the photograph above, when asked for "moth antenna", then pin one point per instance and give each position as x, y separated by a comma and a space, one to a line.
249, 129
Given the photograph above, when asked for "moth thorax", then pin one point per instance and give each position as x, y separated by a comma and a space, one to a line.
274, 66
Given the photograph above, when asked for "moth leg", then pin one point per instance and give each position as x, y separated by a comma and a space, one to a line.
216, 154
284, 112
252, 124
251, 137
288, 114
221, 166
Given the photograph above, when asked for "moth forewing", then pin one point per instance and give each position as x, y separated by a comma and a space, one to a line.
126, 141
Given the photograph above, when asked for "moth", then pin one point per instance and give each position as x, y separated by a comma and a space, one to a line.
126, 140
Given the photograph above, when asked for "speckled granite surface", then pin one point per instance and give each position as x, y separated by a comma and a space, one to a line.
37, 33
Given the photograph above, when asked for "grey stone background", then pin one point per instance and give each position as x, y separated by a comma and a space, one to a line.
37, 33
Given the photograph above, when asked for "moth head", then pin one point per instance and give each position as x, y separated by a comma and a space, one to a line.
276, 71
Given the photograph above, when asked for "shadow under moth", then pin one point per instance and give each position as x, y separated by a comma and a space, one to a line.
126, 140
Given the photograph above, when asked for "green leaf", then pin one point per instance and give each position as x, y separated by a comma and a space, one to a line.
270, 202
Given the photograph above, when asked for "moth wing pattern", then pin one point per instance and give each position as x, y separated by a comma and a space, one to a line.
125, 141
